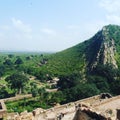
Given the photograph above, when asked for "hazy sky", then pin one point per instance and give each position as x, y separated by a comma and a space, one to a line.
53, 25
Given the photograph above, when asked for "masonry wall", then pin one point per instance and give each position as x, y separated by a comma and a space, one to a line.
40, 114
3, 110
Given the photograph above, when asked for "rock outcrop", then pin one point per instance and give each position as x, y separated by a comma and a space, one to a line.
102, 49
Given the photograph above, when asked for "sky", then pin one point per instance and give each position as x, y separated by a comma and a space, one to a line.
53, 25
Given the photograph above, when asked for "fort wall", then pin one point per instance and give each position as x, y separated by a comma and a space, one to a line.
67, 111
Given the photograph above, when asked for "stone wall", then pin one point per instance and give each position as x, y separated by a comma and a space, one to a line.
17, 97
3, 110
66, 111
106, 101
52, 113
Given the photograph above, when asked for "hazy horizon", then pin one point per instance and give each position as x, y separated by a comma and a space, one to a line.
23, 51
51, 25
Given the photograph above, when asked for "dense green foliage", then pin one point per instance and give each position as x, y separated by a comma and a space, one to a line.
78, 79
43, 99
25, 104
67, 61
17, 81
19, 68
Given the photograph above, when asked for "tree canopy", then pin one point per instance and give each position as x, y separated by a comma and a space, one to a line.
17, 81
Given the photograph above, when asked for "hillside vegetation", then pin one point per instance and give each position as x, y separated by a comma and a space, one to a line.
84, 70
93, 63
68, 61
84, 54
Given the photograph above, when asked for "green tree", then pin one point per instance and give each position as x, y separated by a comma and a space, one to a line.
2, 70
17, 81
18, 61
34, 89
100, 82
115, 87
10, 55
70, 80
57, 97
3, 92
41, 75
47, 97
80, 91
34, 92
41, 92
8, 62
107, 71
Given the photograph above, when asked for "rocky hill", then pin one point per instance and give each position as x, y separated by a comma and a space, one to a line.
89, 68
102, 48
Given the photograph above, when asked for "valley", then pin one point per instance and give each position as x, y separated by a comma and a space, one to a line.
82, 71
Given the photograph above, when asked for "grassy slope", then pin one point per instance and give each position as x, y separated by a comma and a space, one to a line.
69, 60
77, 57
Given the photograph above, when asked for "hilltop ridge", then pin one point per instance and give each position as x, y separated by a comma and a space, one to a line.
102, 48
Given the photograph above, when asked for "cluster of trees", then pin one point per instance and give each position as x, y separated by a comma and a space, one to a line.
15, 67
9, 62
17, 81
107, 78
103, 78
72, 86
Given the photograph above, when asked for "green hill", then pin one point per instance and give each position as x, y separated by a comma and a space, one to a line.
90, 67
68, 60
102, 48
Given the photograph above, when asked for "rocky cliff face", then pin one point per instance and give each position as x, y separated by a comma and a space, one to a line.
102, 49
